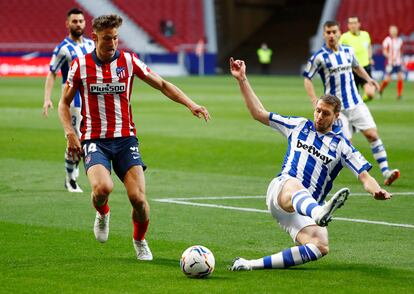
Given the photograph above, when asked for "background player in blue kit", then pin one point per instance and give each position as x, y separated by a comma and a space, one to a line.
335, 63
72, 46
316, 153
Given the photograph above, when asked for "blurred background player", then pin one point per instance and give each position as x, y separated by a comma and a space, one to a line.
335, 64
316, 153
108, 135
264, 53
392, 46
360, 41
72, 46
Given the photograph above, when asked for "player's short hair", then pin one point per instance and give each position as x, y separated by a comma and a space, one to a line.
330, 23
109, 21
353, 16
74, 11
332, 100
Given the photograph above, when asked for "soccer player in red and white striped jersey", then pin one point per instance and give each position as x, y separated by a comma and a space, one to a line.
392, 50
108, 136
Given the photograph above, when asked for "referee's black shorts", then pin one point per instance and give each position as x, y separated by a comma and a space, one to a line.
360, 81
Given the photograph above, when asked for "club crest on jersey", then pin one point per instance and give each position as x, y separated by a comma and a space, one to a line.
107, 88
333, 146
120, 72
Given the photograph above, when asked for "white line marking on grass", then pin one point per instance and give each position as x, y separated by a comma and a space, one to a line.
262, 196
188, 201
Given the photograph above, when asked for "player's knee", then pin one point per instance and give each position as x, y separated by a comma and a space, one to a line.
322, 245
323, 248
138, 199
102, 188
371, 135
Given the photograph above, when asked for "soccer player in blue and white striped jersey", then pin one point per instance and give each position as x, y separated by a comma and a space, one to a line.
72, 46
334, 63
316, 153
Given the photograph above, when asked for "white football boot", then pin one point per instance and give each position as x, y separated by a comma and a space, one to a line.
142, 250
72, 186
101, 227
336, 201
240, 264
390, 176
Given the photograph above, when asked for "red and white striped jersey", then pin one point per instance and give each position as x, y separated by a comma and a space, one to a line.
105, 89
393, 46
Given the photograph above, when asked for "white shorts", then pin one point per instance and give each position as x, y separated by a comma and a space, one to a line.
291, 222
356, 119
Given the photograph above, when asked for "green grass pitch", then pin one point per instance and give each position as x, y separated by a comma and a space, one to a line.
46, 238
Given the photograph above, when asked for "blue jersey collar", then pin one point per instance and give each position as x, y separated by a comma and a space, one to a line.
99, 62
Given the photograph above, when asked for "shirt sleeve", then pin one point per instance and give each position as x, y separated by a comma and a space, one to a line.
284, 124
140, 68
58, 59
353, 159
74, 79
312, 67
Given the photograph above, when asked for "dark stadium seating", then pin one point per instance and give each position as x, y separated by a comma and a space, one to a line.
187, 16
34, 25
377, 15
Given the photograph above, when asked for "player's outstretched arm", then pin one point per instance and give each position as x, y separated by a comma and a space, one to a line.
175, 94
372, 187
253, 103
73, 143
47, 101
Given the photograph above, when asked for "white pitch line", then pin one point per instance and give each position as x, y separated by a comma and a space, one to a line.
181, 202
262, 196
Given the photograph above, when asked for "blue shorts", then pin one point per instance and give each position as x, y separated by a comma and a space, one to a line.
391, 69
122, 152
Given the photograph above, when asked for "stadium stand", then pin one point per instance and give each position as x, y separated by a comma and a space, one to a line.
27, 27
377, 15
186, 16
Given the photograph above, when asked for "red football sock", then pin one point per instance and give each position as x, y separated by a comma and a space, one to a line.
103, 209
399, 87
383, 85
140, 229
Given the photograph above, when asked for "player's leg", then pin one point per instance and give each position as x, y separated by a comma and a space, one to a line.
400, 84
361, 118
295, 197
380, 155
72, 163
134, 182
129, 167
313, 239
98, 169
102, 185
385, 82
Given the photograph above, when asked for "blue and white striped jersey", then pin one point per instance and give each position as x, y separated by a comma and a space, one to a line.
316, 159
65, 53
335, 70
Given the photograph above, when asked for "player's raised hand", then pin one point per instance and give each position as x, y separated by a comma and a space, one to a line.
238, 69
199, 110
46, 105
382, 195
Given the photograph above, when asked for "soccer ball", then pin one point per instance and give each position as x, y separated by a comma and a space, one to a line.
197, 262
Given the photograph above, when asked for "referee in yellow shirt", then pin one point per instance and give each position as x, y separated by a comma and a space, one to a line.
360, 41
